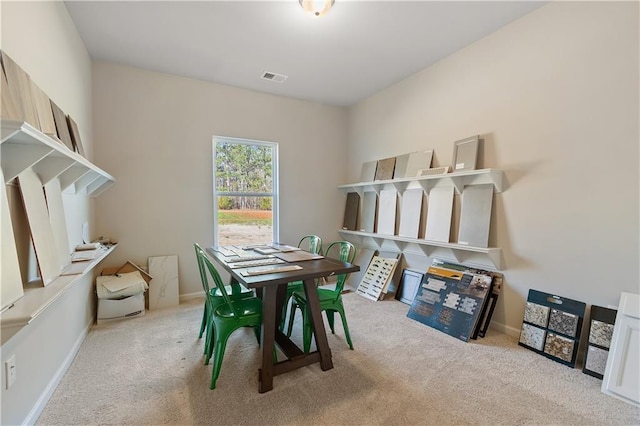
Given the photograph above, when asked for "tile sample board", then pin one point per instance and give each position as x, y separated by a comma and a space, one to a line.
465, 153
58, 221
163, 288
41, 231
363, 259
384, 169
387, 208
369, 211
11, 107
376, 278
439, 213
368, 172
351, 208
42, 105
552, 325
410, 213
19, 84
475, 215
599, 341
62, 127
10, 278
451, 299
409, 165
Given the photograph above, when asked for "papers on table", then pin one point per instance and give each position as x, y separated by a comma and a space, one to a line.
81, 256
297, 256
271, 269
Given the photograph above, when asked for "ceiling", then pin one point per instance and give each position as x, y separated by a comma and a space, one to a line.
357, 49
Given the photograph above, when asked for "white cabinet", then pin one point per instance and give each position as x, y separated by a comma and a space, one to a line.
622, 374
484, 257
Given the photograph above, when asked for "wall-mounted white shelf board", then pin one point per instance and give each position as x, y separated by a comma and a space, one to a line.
22, 146
458, 180
480, 257
37, 297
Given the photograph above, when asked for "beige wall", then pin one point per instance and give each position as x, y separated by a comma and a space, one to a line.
555, 97
42, 39
154, 135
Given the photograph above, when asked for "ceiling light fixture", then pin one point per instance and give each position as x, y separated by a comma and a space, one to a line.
316, 7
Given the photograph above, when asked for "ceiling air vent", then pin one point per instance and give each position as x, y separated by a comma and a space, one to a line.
271, 76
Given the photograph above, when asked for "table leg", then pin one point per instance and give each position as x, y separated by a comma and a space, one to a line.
319, 333
267, 340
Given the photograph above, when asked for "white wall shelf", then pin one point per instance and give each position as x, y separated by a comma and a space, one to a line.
458, 180
37, 297
22, 146
481, 257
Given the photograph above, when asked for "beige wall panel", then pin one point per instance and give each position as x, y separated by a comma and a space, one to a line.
554, 95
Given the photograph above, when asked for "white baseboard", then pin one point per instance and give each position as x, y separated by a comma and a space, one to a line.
503, 328
191, 296
55, 380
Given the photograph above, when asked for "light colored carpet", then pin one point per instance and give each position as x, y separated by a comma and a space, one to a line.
149, 370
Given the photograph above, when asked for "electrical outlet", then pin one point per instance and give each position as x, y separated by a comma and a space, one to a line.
10, 370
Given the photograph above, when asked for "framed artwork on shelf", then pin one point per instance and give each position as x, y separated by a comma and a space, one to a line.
465, 153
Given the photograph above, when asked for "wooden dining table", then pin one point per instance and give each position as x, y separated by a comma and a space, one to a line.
272, 289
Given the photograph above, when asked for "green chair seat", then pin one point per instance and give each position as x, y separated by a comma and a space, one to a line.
247, 308
231, 289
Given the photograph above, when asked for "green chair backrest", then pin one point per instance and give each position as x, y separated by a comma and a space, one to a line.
346, 253
203, 273
315, 243
204, 263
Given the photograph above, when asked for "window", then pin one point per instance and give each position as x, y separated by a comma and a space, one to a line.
245, 191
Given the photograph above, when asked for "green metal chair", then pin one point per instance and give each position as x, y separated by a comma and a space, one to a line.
235, 290
330, 299
226, 317
314, 246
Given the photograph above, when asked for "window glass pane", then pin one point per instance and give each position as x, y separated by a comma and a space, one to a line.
245, 191
243, 168
244, 220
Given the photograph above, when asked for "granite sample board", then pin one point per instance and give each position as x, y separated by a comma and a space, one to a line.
552, 325
600, 334
451, 299
385, 168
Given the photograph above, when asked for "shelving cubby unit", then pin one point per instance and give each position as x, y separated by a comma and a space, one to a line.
483, 257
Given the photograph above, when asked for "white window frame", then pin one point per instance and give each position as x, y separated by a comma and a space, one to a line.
274, 194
